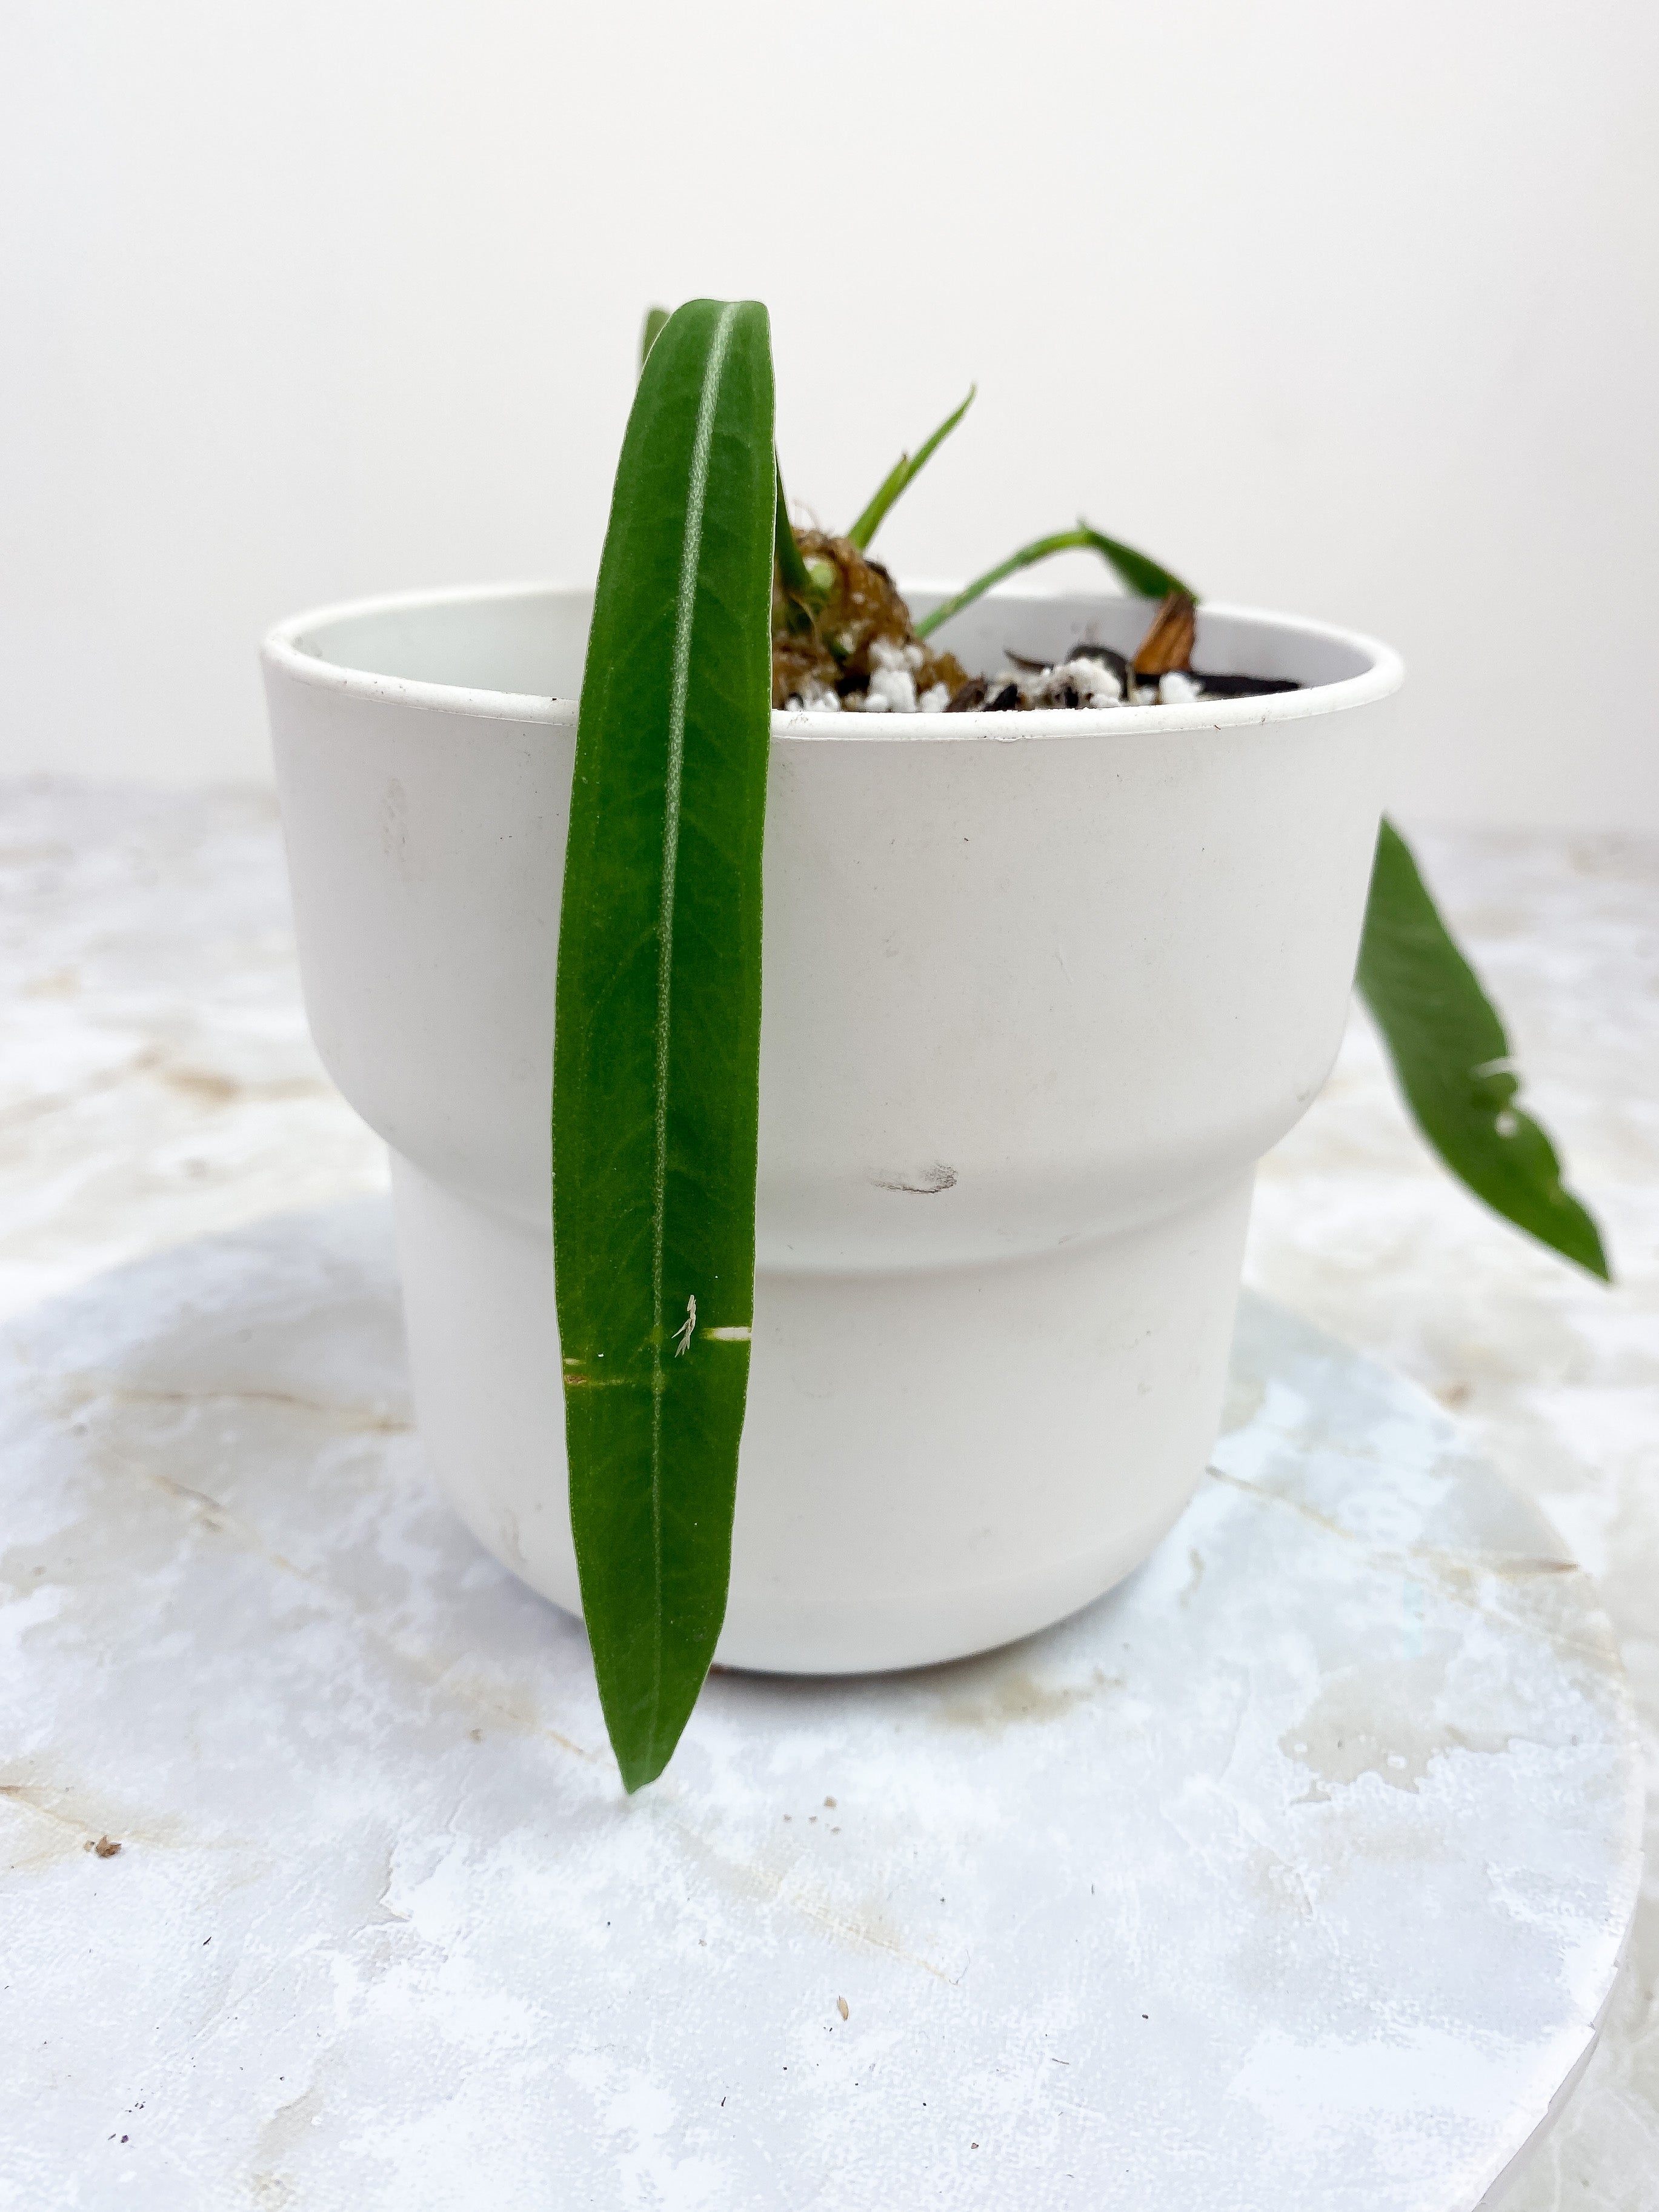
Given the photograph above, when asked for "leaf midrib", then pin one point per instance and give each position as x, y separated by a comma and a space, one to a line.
679, 690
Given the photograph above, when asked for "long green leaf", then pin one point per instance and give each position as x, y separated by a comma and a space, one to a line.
904, 473
657, 1034
1145, 578
656, 322
1452, 1059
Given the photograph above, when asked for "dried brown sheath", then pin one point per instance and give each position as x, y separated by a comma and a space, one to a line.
1168, 645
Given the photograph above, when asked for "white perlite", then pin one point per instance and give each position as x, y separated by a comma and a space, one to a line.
893, 683
1092, 683
1083, 681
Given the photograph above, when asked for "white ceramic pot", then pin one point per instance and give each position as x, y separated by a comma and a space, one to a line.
1039, 990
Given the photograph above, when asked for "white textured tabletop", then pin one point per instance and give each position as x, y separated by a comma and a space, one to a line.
155, 1083
1291, 1876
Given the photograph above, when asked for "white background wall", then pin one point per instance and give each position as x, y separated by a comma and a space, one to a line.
1347, 309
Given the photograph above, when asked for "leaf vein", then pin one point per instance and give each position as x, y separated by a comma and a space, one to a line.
680, 683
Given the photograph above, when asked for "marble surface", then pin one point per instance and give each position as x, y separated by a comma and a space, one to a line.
156, 1082
1295, 1872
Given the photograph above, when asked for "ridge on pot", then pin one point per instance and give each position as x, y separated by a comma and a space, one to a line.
1038, 992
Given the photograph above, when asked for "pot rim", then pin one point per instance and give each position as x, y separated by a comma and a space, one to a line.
283, 652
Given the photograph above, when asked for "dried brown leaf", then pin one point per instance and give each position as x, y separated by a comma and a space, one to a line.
1168, 645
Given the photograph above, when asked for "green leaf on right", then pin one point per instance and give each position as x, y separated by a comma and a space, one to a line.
1451, 1058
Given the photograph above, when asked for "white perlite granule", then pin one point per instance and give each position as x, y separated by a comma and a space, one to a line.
817, 698
1091, 682
893, 682
1080, 682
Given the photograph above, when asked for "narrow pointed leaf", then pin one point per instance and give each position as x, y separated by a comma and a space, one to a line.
904, 473
657, 1033
1141, 575
656, 321
1451, 1058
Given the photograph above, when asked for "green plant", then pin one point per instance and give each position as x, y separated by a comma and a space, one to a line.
704, 591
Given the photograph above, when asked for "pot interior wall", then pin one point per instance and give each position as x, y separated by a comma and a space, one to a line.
533, 641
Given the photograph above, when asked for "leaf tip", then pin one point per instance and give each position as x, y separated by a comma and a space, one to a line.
1594, 1261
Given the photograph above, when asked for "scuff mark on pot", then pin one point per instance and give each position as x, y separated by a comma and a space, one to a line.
510, 1543
928, 1181
394, 828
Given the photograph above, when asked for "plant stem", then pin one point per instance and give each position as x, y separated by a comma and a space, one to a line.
802, 598
797, 582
